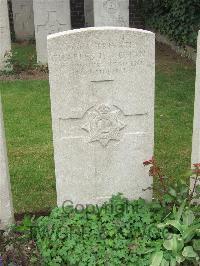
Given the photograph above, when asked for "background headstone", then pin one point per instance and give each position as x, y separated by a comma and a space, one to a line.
196, 122
50, 16
23, 19
5, 42
6, 208
102, 100
107, 13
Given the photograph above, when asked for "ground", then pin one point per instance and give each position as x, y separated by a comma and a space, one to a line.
26, 105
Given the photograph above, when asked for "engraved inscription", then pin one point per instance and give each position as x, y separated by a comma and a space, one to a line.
2, 30
104, 124
52, 24
126, 59
112, 14
111, 6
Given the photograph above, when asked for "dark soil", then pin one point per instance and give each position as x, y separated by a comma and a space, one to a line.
26, 75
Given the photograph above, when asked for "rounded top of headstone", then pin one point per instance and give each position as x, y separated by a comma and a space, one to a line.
98, 29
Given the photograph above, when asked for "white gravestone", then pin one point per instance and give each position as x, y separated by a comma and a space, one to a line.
6, 208
50, 16
5, 42
106, 13
196, 122
102, 100
23, 19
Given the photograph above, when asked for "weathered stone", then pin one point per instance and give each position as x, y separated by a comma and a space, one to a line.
23, 19
196, 123
5, 42
107, 13
102, 98
50, 16
6, 208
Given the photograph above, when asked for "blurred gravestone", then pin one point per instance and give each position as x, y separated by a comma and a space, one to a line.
107, 13
23, 19
5, 42
196, 122
50, 16
6, 208
102, 100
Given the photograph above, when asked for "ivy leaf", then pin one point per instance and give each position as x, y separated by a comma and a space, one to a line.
157, 258
173, 262
180, 259
189, 252
174, 224
196, 244
168, 198
188, 217
197, 190
174, 244
190, 232
164, 263
172, 192
180, 210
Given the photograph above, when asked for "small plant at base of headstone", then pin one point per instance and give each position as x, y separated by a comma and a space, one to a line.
120, 232
170, 194
13, 64
182, 243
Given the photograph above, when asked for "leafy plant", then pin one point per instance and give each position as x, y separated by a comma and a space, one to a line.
182, 243
164, 232
174, 193
14, 65
178, 19
120, 232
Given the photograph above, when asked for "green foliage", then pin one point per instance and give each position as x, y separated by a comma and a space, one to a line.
123, 232
15, 63
22, 58
120, 232
178, 19
174, 193
182, 243
25, 228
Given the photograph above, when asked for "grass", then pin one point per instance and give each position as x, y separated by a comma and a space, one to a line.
174, 119
29, 137
25, 54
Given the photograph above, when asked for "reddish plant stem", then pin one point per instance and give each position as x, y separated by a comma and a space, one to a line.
195, 184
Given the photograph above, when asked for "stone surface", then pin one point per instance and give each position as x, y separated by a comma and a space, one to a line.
102, 100
196, 123
6, 208
50, 16
23, 19
5, 42
107, 13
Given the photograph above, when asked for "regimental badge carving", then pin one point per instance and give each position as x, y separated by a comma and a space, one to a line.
111, 6
104, 124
